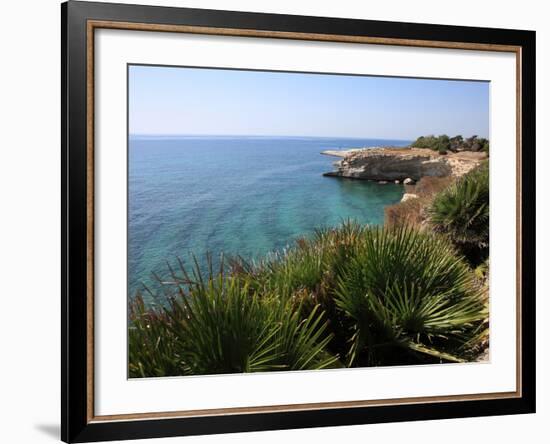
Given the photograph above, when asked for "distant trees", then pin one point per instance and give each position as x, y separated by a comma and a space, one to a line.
456, 143
426, 142
444, 143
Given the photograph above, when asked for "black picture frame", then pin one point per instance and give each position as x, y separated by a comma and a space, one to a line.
76, 424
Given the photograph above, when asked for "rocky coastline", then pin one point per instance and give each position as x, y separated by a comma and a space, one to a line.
388, 164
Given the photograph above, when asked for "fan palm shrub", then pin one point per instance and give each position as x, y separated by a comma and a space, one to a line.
462, 213
302, 341
353, 295
308, 264
407, 291
225, 329
286, 272
355, 271
152, 346
220, 324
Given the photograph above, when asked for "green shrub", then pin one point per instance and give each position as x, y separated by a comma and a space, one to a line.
226, 329
283, 273
407, 290
462, 212
321, 271
221, 325
484, 145
430, 142
443, 143
353, 295
456, 143
152, 346
302, 341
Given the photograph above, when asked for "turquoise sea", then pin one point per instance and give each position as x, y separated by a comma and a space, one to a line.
237, 195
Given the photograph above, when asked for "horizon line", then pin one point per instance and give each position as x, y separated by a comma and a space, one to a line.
261, 135
298, 136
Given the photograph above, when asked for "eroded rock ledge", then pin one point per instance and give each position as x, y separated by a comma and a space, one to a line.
398, 164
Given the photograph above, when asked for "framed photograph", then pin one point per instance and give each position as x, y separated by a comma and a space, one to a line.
275, 221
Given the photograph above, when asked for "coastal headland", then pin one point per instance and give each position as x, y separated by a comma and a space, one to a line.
399, 164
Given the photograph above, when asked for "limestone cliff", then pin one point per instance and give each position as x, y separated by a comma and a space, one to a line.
397, 164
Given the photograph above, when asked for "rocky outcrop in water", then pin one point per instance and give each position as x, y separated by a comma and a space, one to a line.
385, 164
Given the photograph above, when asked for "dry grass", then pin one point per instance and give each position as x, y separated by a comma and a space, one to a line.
413, 212
428, 186
409, 213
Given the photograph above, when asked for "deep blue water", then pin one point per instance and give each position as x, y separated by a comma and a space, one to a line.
245, 196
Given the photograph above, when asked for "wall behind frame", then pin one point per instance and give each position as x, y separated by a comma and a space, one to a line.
30, 205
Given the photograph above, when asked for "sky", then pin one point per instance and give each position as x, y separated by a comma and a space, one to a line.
201, 101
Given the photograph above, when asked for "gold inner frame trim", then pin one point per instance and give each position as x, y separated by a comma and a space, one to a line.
96, 24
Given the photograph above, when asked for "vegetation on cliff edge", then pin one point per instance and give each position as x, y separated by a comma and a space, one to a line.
444, 143
461, 212
351, 296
